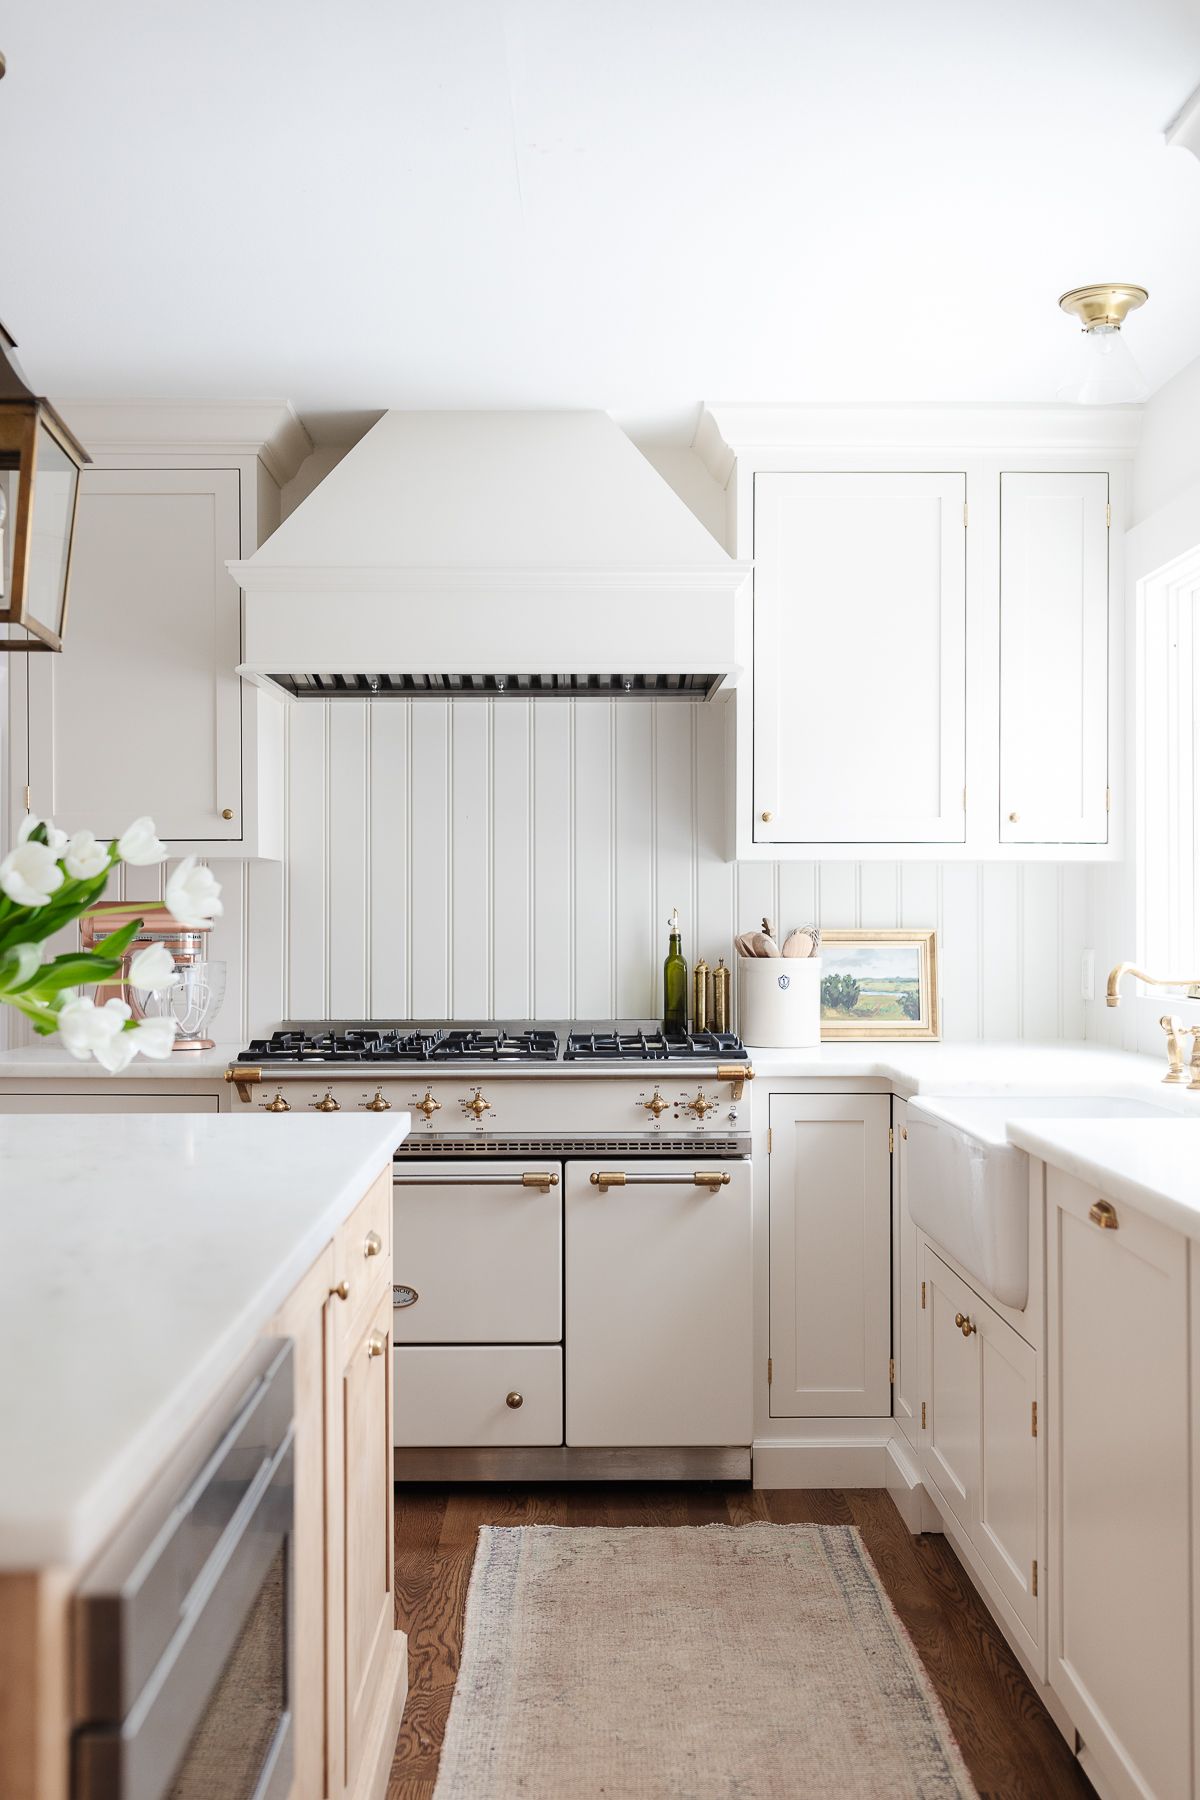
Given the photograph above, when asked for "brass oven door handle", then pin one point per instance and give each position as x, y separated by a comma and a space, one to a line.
530, 1178
706, 1178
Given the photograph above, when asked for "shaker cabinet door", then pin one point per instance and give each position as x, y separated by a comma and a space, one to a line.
142, 711
859, 658
1054, 658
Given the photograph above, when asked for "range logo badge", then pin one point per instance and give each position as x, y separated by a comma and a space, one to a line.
785, 981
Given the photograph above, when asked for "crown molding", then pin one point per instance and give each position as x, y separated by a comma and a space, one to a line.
268, 429
727, 430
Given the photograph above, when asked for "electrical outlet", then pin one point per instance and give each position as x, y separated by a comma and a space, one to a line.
1087, 975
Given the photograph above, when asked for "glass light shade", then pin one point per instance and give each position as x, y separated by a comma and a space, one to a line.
1105, 372
40, 461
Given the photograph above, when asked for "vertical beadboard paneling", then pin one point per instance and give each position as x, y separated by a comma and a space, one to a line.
593, 873
517, 859
553, 921
429, 858
387, 858
349, 886
511, 846
226, 940
470, 862
640, 943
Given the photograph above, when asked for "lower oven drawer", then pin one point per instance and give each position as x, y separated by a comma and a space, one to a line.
477, 1255
452, 1395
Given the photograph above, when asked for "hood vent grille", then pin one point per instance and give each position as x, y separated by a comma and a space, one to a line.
498, 687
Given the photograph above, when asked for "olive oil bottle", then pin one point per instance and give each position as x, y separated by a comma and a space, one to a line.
675, 981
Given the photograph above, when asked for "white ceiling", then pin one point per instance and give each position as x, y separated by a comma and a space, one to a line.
631, 204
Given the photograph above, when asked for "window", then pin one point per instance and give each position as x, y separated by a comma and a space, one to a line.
1167, 756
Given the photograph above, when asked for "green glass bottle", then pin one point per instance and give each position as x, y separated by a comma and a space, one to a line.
675, 981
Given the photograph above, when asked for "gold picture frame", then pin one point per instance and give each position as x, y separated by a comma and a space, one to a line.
901, 965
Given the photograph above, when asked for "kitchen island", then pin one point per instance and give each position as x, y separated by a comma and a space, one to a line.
147, 1257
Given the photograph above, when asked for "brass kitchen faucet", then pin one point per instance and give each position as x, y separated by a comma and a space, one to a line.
1171, 1024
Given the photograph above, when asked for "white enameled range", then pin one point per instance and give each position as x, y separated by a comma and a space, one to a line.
572, 1264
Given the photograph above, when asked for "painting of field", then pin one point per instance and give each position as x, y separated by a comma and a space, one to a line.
873, 983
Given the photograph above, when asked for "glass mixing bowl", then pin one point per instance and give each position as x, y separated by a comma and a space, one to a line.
193, 1002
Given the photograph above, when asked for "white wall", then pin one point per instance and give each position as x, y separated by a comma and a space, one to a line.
1166, 514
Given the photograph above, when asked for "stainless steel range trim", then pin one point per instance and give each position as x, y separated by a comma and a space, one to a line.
737, 1144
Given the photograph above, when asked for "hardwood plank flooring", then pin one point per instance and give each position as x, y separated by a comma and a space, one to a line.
1009, 1741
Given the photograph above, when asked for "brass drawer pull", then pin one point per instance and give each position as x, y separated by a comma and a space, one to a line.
514, 1400
377, 1343
372, 1244
340, 1291
964, 1324
1104, 1214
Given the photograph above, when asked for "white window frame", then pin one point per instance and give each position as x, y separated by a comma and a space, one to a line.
1167, 779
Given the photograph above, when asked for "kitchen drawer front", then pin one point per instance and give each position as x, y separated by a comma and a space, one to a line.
458, 1395
480, 1245
363, 1255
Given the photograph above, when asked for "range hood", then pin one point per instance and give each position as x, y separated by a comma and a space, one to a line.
496, 554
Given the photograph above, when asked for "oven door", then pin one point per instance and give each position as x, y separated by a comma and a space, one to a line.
659, 1297
183, 1629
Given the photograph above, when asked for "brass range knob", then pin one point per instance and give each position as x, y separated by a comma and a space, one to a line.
327, 1103
477, 1104
701, 1106
278, 1104
514, 1400
656, 1104
429, 1105
377, 1103
964, 1324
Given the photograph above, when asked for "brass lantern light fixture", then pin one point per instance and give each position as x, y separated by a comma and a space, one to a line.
40, 460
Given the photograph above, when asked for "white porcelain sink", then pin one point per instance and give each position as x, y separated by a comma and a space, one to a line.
968, 1187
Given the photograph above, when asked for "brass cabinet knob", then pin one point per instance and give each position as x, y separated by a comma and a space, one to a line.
656, 1104
766, 817
377, 1343
701, 1106
227, 812
1014, 818
372, 1244
964, 1324
278, 1104
514, 1400
377, 1103
327, 1104
340, 1291
477, 1104
429, 1105
1104, 1214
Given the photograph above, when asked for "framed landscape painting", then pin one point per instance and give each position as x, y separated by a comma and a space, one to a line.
879, 984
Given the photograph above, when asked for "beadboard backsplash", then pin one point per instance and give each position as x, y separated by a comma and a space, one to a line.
506, 859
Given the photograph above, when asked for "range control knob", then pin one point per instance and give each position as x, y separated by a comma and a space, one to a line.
701, 1106
428, 1105
278, 1104
477, 1104
377, 1103
656, 1104
327, 1103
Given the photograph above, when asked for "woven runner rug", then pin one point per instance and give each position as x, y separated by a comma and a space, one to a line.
716, 1662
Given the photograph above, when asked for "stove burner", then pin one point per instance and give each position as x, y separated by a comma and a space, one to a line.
654, 1046
497, 1046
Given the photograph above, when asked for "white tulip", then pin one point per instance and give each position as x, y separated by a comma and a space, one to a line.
90, 1030
85, 858
153, 968
30, 873
193, 893
116, 1051
55, 839
154, 1038
140, 844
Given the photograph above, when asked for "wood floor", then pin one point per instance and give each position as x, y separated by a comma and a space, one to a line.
1011, 1745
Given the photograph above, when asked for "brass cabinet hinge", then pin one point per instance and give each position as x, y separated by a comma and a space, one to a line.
1034, 1583
891, 1369
1033, 1421
964, 515
1108, 515
891, 1140
28, 798
770, 1140
922, 1415
964, 799
770, 1370
922, 1296
1108, 800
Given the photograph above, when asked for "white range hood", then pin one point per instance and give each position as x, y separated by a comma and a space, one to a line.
492, 553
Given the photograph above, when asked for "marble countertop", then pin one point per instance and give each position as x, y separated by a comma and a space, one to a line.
1152, 1165
142, 1256
50, 1062
975, 1068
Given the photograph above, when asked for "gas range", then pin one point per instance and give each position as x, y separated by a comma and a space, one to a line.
510, 1088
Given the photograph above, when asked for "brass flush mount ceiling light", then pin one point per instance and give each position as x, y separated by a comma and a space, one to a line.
1106, 373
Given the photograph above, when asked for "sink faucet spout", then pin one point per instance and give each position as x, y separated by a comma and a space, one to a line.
1113, 996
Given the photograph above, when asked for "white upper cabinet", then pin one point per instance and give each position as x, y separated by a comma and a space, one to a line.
1054, 658
859, 658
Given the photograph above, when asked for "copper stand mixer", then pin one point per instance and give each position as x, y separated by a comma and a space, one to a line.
187, 946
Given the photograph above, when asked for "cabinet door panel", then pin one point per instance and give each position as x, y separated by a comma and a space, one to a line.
1053, 658
153, 640
951, 1458
830, 1225
859, 614
452, 1394
658, 1307
1006, 1533
1118, 1476
366, 1481
906, 1286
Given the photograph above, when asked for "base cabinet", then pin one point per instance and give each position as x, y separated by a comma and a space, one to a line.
1120, 1532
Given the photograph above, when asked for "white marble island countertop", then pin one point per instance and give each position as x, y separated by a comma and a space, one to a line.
1152, 1165
142, 1256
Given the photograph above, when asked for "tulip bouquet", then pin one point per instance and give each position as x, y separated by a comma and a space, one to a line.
50, 880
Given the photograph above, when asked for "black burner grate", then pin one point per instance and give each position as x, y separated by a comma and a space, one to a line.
654, 1046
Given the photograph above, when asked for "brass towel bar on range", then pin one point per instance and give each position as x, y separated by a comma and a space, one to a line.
530, 1178
709, 1178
